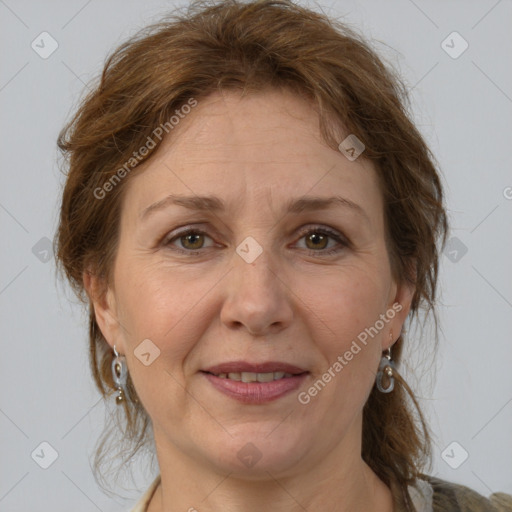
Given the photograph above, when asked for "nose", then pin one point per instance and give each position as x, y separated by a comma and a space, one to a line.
257, 299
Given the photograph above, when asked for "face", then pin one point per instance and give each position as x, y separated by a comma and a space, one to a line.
249, 278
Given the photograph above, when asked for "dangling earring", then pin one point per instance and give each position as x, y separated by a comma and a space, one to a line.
386, 367
119, 373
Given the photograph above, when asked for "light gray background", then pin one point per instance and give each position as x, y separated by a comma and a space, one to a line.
463, 107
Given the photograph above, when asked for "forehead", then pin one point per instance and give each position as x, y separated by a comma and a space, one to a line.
261, 145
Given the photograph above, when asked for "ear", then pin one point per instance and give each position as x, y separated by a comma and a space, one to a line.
102, 298
398, 308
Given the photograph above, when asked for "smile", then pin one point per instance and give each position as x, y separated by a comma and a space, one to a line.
254, 377
255, 388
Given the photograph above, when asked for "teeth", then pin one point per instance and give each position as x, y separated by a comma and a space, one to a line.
264, 377
254, 377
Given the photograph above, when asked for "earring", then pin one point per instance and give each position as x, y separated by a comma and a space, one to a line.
386, 367
119, 373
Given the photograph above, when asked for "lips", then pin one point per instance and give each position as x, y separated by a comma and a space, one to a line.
255, 383
246, 367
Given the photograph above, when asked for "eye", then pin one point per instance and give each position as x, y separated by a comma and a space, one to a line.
317, 241
191, 241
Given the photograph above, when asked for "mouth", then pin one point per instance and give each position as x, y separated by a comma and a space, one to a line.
255, 383
243, 371
252, 376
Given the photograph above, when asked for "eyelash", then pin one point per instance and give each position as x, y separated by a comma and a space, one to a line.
317, 229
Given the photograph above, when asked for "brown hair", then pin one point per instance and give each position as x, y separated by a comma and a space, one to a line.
252, 47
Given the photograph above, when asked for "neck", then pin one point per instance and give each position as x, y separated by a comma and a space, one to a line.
341, 481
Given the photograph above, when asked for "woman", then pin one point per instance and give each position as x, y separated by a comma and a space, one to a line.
253, 217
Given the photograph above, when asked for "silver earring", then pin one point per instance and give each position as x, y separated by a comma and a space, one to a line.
119, 374
386, 367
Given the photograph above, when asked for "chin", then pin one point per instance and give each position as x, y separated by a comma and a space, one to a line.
254, 454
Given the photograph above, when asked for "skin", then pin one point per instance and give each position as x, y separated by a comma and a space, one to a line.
294, 303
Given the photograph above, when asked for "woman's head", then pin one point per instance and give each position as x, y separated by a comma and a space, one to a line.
249, 103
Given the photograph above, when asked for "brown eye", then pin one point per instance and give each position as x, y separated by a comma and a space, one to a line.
192, 241
323, 241
317, 240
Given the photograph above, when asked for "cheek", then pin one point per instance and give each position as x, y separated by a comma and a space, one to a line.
166, 305
153, 307
345, 309
341, 312
155, 297
348, 302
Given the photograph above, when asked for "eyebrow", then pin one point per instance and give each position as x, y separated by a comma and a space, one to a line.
215, 204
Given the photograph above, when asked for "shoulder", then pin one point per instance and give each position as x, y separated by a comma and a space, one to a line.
449, 496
